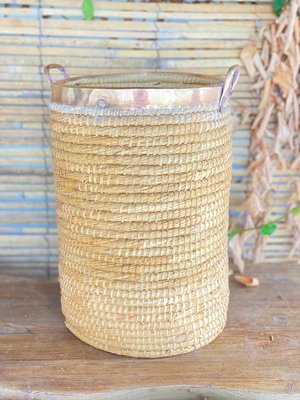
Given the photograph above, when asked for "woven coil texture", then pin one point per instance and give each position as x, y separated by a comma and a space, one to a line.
142, 209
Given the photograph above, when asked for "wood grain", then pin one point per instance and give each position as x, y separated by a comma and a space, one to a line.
257, 356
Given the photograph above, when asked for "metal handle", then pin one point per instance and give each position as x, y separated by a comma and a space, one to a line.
229, 84
54, 66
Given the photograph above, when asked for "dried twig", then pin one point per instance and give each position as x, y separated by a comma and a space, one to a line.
276, 69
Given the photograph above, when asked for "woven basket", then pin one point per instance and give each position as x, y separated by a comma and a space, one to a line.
142, 166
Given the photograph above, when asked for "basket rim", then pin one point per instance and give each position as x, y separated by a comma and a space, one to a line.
142, 90
203, 80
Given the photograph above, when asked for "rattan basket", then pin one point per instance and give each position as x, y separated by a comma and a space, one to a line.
142, 167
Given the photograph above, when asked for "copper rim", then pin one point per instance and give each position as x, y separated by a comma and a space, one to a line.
146, 90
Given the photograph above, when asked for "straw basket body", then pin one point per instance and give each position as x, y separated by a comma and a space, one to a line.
142, 168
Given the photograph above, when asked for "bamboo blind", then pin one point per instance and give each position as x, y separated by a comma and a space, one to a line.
187, 36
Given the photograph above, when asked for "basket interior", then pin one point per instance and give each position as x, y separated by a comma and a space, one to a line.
155, 80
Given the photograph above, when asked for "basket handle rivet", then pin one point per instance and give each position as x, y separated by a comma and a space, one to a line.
101, 103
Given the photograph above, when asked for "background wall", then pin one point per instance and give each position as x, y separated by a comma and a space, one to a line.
186, 36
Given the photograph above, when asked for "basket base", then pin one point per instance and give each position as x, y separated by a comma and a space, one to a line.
162, 353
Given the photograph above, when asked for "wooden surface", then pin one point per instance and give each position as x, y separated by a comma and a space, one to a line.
256, 357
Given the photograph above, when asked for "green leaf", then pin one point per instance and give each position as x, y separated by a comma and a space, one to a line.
234, 231
268, 229
295, 210
88, 9
278, 6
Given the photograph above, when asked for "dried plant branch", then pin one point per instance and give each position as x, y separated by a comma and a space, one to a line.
274, 63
